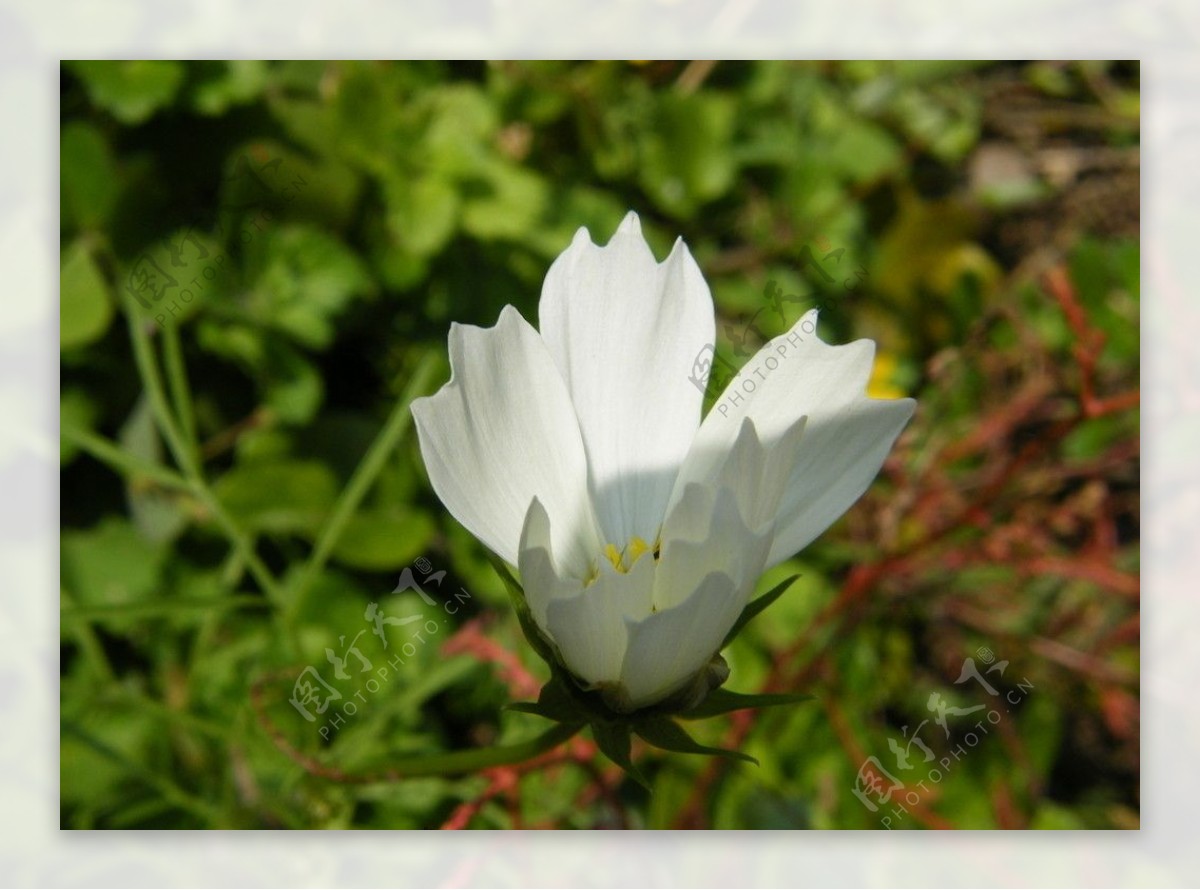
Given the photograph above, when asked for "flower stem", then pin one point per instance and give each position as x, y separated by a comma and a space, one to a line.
120, 460
364, 477
181, 393
473, 760
184, 454
416, 766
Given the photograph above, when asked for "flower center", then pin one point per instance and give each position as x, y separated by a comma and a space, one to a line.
624, 559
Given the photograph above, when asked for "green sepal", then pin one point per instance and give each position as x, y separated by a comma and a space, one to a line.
723, 701
565, 700
528, 626
614, 741
529, 707
562, 701
752, 609
663, 732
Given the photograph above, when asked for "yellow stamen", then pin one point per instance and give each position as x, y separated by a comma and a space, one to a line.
623, 560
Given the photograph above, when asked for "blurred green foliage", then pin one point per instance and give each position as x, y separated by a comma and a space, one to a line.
293, 239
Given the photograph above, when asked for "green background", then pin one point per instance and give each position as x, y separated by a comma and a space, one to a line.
260, 263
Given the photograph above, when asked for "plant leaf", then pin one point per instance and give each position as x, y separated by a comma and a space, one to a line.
527, 707
555, 702
613, 740
752, 609
723, 701
665, 733
528, 626
86, 306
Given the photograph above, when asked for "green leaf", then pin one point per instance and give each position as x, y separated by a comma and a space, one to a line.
172, 278
224, 84
294, 387
723, 701
303, 279
87, 176
110, 564
752, 609
157, 514
665, 733
614, 740
529, 707
555, 702
686, 156
1054, 817
946, 123
528, 626
98, 750
458, 137
380, 540
864, 151
311, 124
510, 206
131, 90
77, 410
287, 496
422, 213
86, 306
265, 183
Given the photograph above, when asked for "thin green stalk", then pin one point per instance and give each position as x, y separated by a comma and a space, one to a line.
454, 763
90, 644
241, 541
472, 761
186, 459
164, 786
143, 354
364, 477
159, 608
181, 393
116, 457
183, 719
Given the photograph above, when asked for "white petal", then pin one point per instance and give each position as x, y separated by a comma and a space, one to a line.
792, 376
503, 432
758, 473
540, 576
707, 534
832, 459
710, 562
667, 649
590, 628
840, 454
625, 333
586, 624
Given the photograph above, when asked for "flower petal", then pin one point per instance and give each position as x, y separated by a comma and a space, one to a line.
540, 577
503, 432
792, 376
837, 459
625, 333
590, 628
758, 473
586, 624
706, 534
667, 649
831, 460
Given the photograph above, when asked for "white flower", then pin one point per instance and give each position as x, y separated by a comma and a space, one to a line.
578, 455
